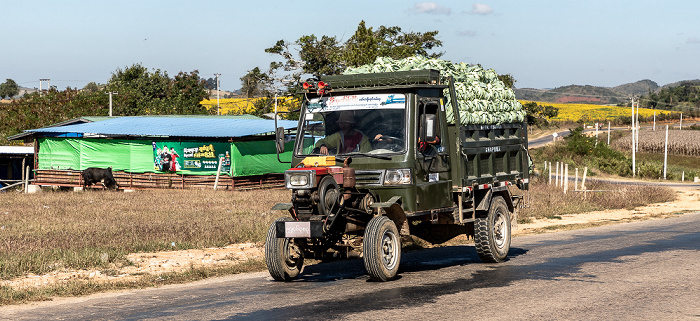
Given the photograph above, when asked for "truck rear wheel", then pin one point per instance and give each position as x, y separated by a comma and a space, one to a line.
283, 257
492, 233
381, 249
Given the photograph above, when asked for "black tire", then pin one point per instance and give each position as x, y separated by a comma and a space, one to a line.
284, 258
381, 249
492, 233
328, 193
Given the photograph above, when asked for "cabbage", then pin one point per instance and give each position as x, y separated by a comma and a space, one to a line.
481, 97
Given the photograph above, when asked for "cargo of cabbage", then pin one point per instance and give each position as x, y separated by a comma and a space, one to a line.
482, 98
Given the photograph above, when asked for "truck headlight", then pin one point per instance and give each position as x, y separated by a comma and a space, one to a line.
397, 176
299, 179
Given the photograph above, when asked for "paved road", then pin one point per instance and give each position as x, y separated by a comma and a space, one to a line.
642, 270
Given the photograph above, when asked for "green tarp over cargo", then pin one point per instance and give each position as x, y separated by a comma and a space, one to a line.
141, 156
481, 97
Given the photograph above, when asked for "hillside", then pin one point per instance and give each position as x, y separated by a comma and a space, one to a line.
588, 93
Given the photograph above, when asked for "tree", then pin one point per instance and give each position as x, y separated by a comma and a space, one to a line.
210, 83
255, 83
366, 45
312, 56
507, 80
9, 89
92, 87
539, 115
154, 93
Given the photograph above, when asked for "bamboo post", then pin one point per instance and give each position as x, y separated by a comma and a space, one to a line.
576, 180
566, 177
583, 180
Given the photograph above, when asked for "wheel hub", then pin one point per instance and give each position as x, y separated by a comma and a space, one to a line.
389, 250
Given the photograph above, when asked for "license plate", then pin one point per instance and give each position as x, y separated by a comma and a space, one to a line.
297, 229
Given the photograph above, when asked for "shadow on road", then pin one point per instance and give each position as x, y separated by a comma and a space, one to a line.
414, 261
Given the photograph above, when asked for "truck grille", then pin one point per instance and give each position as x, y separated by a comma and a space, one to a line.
369, 177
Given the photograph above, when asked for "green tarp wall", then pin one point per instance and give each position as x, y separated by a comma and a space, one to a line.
136, 156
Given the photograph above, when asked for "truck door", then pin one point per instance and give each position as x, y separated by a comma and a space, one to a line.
433, 179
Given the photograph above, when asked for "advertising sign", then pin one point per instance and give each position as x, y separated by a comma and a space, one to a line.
191, 156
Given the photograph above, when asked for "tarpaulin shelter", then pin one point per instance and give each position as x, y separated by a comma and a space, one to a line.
244, 145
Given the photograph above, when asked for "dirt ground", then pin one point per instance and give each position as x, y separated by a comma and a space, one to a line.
688, 200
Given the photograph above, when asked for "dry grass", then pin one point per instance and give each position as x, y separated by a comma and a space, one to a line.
548, 201
40, 233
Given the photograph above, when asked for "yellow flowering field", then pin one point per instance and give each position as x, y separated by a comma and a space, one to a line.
239, 106
575, 112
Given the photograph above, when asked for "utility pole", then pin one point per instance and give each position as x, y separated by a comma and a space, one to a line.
634, 163
110, 101
218, 110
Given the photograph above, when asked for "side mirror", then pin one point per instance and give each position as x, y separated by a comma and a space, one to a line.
279, 139
428, 128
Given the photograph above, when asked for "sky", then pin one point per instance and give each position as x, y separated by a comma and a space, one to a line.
542, 44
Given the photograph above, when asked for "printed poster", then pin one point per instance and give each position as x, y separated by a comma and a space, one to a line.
191, 156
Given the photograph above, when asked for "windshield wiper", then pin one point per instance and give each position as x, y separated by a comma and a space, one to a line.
379, 156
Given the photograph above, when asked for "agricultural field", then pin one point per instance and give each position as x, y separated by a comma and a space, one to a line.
239, 106
590, 112
680, 142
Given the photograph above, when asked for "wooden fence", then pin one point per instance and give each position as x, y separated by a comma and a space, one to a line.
71, 178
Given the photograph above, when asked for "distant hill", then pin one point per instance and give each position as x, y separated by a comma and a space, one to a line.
587, 93
638, 88
695, 82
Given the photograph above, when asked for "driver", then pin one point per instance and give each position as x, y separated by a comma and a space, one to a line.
347, 139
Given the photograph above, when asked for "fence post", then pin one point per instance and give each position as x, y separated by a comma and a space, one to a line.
550, 173
26, 181
218, 171
566, 177
583, 180
576, 180
556, 176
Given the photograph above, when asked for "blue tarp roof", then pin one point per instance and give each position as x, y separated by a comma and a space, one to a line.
174, 126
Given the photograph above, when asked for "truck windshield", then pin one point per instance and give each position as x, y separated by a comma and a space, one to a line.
354, 125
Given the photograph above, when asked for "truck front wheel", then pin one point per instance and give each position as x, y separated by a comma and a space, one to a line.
381, 249
492, 233
283, 257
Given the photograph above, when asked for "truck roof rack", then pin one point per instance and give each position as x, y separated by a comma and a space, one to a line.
384, 79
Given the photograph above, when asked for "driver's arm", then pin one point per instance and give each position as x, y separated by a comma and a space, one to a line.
330, 141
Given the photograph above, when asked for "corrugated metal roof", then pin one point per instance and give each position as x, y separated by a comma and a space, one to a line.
174, 126
16, 150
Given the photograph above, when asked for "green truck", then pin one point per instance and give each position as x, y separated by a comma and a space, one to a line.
377, 160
